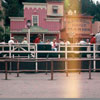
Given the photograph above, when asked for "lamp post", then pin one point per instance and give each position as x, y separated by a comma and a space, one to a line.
28, 26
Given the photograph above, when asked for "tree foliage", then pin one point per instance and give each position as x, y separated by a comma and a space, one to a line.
1, 15
1, 33
1, 30
86, 7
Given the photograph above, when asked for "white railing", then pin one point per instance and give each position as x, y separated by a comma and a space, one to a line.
31, 51
33, 48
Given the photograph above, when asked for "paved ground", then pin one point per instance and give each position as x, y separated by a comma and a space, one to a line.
40, 86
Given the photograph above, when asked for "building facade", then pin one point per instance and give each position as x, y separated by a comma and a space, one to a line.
77, 27
96, 27
46, 19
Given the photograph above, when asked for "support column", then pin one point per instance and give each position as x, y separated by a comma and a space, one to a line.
90, 69
94, 57
43, 37
18, 68
36, 63
6, 71
66, 65
51, 70
46, 67
10, 68
29, 39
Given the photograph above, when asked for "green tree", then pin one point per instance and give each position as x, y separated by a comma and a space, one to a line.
97, 12
13, 8
7, 34
41, 1
1, 33
1, 28
1, 15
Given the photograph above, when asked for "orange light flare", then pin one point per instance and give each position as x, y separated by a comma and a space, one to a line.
72, 85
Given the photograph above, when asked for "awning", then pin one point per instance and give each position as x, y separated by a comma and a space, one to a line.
35, 29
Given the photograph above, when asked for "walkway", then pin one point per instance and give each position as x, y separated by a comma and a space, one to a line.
40, 86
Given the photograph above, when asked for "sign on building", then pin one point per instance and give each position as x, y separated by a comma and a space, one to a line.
79, 26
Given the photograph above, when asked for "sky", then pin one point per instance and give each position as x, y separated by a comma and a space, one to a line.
96, 0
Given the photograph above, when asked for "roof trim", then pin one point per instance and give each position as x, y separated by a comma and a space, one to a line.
53, 19
34, 5
49, 32
34, 29
79, 16
17, 18
27, 3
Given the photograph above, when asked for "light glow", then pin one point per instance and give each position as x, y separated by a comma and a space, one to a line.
72, 87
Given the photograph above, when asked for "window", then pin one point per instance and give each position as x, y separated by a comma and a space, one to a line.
55, 9
35, 20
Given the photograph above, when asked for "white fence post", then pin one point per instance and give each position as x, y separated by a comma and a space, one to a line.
36, 64
59, 50
10, 56
28, 46
66, 67
94, 57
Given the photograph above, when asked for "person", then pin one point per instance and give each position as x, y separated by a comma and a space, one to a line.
93, 39
88, 42
41, 41
47, 41
61, 44
37, 40
88, 48
67, 42
97, 36
16, 41
98, 41
24, 41
54, 45
61, 41
82, 42
11, 41
83, 47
